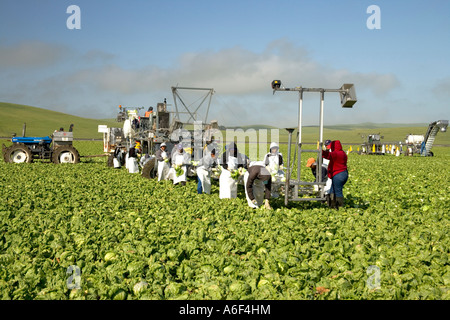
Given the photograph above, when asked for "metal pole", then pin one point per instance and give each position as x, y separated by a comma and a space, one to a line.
319, 171
175, 101
322, 95
209, 104
288, 169
300, 114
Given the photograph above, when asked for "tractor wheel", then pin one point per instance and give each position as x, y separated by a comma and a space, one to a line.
18, 153
149, 169
65, 154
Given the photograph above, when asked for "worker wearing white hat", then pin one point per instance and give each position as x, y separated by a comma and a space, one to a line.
274, 163
162, 156
132, 164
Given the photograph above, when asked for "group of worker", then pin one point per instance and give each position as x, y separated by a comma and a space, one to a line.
256, 176
262, 179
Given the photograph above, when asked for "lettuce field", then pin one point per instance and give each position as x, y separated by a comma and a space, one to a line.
87, 231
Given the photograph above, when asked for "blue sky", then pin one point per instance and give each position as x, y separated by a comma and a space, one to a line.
132, 52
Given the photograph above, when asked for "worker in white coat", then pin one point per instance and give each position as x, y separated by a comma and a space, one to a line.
274, 163
180, 158
163, 158
231, 160
117, 160
132, 163
258, 181
204, 167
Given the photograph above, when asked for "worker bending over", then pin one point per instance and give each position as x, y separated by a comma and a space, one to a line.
258, 182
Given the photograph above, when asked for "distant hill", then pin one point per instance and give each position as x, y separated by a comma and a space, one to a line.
254, 126
357, 133
42, 122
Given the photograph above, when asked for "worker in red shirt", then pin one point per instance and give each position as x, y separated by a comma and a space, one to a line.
337, 172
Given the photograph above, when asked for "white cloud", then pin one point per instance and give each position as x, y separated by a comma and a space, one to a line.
241, 79
233, 71
31, 54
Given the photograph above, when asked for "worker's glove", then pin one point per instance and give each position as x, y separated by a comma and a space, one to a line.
267, 205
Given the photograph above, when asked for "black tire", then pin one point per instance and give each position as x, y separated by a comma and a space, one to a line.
430, 154
149, 169
18, 153
65, 154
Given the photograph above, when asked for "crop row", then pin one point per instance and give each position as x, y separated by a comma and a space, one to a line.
134, 238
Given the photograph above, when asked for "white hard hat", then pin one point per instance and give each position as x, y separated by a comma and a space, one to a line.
163, 144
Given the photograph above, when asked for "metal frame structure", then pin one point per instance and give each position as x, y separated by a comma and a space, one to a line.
348, 99
192, 115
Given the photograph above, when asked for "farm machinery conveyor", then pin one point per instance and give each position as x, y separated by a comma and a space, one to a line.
419, 144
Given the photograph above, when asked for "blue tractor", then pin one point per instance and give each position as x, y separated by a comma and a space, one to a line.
57, 148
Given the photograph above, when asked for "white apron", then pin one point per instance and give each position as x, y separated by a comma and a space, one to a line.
274, 163
274, 169
116, 163
258, 192
328, 186
227, 185
178, 160
163, 168
132, 165
205, 179
277, 175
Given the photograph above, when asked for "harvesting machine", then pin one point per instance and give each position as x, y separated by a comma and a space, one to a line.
373, 145
421, 144
57, 148
153, 128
